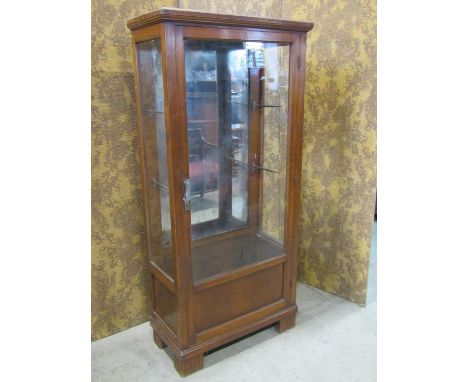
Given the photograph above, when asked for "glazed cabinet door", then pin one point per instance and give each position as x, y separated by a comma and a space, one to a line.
237, 115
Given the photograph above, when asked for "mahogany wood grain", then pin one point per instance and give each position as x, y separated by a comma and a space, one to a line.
179, 172
158, 341
165, 304
244, 295
246, 319
295, 125
286, 323
148, 33
217, 336
163, 277
237, 34
225, 333
196, 312
238, 273
167, 14
189, 365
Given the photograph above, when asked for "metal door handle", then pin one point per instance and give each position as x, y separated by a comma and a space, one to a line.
187, 195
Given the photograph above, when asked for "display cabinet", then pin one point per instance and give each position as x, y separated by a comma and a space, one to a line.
220, 113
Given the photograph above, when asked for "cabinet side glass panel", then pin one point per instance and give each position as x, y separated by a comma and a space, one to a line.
237, 125
274, 141
154, 140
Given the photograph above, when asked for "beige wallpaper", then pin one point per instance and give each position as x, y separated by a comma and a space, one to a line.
339, 158
338, 165
119, 294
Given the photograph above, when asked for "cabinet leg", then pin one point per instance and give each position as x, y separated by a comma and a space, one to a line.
188, 366
158, 341
286, 323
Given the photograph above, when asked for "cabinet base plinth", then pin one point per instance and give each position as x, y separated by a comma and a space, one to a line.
158, 341
190, 359
286, 323
188, 366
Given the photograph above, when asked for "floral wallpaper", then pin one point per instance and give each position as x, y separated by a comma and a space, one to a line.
339, 151
339, 155
266, 8
120, 297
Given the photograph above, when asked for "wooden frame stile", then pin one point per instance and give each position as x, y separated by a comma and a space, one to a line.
295, 147
295, 134
197, 331
144, 182
143, 162
174, 55
169, 336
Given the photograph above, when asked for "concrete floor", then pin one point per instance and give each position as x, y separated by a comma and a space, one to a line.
334, 340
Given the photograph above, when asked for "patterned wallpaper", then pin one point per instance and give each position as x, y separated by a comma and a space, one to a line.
119, 286
339, 154
339, 171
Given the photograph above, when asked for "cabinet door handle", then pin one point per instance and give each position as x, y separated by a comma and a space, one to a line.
187, 195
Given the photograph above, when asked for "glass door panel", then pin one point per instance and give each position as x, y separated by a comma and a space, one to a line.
237, 124
154, 138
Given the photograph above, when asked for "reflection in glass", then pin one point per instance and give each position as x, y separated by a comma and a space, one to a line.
237, 119
154, 138
202, 111
274, 140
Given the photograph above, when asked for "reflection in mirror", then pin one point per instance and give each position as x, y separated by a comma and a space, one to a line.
202, 112
237, 122
217, 112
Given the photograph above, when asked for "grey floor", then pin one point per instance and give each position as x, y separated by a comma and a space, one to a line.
334, 340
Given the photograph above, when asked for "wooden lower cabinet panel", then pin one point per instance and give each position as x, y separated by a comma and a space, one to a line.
227, 301
165, 303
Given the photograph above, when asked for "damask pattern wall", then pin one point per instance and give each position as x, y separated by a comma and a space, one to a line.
339, 161
119, 294
339, 152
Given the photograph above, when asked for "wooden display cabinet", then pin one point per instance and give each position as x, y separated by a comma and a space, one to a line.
220, 114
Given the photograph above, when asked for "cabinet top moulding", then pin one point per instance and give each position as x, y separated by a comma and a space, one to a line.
208, 18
